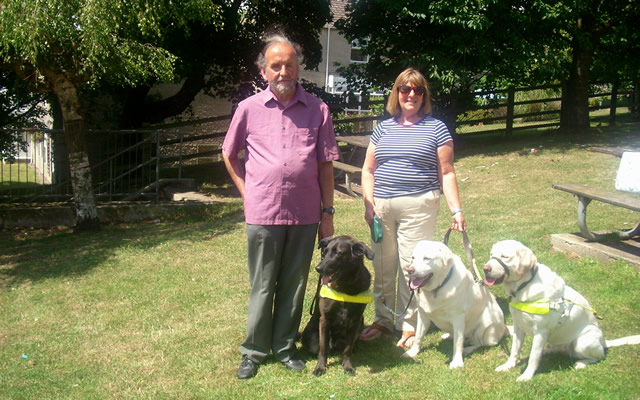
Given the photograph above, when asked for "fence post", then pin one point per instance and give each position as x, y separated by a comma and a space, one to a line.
614, 103
157, 166
511, 95
180, 160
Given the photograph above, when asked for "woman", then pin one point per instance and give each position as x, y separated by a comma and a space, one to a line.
408, 163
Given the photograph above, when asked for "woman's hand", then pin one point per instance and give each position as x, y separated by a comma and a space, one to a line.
459, 224
369, 212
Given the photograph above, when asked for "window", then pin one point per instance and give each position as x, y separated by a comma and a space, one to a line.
356, 53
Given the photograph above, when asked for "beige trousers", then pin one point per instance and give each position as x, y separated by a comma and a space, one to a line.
405, 221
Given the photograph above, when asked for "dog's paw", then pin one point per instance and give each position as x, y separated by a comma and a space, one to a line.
524, 377
412, 352
350, 371
579, 365
319, 371
506, 366
348, 367
456, 363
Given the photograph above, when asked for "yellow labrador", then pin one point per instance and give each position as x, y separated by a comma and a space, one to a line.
543, 306
448, 296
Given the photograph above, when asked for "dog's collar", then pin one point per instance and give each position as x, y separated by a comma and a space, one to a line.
444, 282
362, 298
534, 271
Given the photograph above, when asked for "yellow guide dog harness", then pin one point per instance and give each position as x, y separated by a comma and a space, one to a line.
543, 306
362, 298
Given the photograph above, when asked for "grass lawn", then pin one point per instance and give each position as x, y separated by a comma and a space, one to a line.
17, 174
148, 311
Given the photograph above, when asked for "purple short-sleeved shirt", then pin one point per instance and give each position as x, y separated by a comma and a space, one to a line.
283, 147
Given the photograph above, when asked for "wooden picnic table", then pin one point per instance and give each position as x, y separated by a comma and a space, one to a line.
355, 140
586, 194
345, 165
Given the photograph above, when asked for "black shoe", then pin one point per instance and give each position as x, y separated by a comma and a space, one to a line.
248, 369
294, 365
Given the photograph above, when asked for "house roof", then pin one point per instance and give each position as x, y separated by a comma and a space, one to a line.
337, 9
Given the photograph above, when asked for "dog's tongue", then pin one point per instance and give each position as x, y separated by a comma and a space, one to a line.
416, 283
489, 282
325, 279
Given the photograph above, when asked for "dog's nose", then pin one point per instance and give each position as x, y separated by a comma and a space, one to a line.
411, 270
486, 268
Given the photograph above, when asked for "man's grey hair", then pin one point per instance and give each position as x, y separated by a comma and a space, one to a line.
269, 41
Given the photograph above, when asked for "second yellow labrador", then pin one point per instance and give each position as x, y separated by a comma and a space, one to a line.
543, 306
448, 296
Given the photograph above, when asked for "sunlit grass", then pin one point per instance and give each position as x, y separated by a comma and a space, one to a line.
147, 311
15, 174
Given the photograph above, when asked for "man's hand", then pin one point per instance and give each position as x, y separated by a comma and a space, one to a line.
326, 226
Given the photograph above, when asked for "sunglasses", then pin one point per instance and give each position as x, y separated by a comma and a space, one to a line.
418, 90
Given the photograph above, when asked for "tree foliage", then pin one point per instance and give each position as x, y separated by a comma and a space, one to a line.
92, 40
465, 44
221, 62
61, 46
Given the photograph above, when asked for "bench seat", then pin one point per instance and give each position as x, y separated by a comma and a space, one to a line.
349, 172
586, 194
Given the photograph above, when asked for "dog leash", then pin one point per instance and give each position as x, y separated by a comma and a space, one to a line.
471, 258
317, 295
384, 304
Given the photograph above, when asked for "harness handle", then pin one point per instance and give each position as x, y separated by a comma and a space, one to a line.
471, 258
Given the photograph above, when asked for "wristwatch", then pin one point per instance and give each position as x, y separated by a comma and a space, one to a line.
329, 210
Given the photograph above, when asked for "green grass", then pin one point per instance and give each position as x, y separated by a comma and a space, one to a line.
148, 311
597, 118
17, 175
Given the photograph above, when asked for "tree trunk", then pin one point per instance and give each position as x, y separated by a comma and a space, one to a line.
60, 156
574, 115
76, 139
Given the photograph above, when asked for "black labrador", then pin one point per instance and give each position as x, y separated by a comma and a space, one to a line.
336, 324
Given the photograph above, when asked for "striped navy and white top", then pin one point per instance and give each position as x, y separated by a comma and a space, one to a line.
407, 156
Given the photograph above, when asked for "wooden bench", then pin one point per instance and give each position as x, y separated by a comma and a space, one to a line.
349, 173
586, 194
356, 143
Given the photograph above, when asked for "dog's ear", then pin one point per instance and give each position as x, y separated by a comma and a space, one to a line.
360, 249
447, 256
526, 260
324, 242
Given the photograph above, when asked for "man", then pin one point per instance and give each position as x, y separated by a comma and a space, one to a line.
286, 182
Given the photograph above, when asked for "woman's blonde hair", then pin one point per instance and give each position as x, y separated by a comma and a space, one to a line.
415, 78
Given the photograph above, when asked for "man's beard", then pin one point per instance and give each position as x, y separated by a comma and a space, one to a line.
283, 87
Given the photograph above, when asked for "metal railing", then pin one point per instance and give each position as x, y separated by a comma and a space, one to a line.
125, 165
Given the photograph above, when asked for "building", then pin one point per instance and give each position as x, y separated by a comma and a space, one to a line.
336, 49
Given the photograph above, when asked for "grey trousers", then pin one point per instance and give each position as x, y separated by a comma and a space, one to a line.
279, 258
